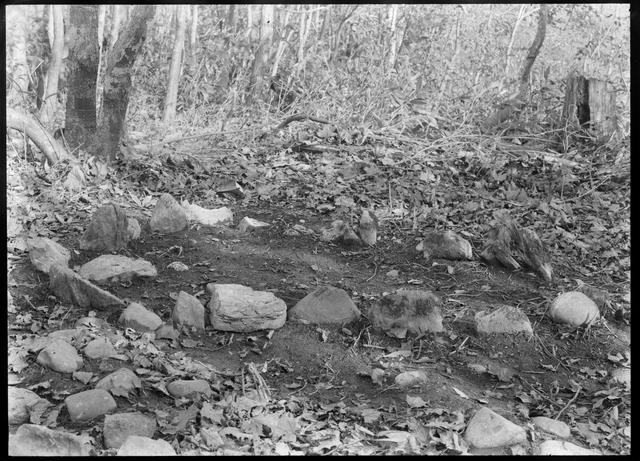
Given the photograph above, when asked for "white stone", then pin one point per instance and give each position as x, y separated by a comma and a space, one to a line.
145, 446
504, 319
411, 378
552, 426
207, 217
239, 308
574, 308
488, 429
139, 318
564, 448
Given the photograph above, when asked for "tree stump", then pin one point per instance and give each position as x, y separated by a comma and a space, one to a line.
589, 104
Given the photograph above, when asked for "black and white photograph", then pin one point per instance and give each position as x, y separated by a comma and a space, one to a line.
318, 229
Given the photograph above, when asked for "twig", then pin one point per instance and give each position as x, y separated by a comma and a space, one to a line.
297, 118
573, 399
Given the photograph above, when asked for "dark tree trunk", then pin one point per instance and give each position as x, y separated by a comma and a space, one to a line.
80, 122
589, 104
534, 49
117, 80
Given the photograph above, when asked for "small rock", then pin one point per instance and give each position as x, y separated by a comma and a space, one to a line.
116, 268
393, 274
574, 308
91, 322
166, 332
188, 311
415, 311
446, 245
60, 356
178, 266
168, 216
136, 316
552, 426
368, 228
89, 404
340, 233
145, 446
207, 217
248, 224
117, 428
121, 382
100, 348
73, 289
133, 229
563, 448
211, 438
488, 429
504, 319
20, 400
107, 230
325, 305
83, 376
186, 388
69, 335
34, 440
411, 378
622, 376
239, 308
44, 252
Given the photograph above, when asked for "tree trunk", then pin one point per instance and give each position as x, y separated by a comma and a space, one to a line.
176, 62
117, 81
256, 83
51, 149
116, 21
17, 29
589, 104
50, 99
231, 19
534, 49
80, 117
336, 38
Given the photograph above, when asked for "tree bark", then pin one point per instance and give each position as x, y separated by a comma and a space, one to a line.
534, 49
176, 63
50, 99
117, 81
80, 118
51, 149
256, 82
17, 29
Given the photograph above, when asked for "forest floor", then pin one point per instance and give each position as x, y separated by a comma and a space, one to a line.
558, 372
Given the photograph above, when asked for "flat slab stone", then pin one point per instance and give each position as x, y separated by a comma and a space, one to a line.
116, 268
72, 288
206, 217
445, 245
564, 448
504, 319
413, 311
34, 440
240, 308
117, 428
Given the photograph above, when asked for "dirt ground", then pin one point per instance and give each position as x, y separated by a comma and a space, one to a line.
336, 366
